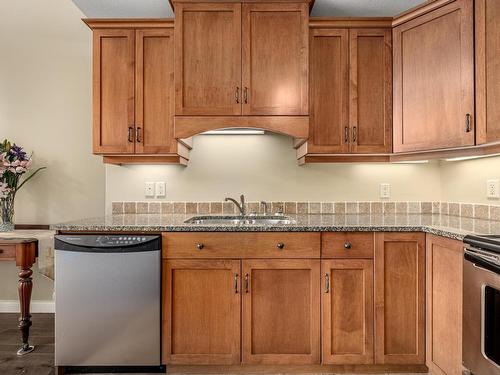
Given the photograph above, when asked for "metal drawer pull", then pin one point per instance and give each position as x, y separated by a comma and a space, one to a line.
236, 283
129, 136
246, 283
327, 283
347, 245
354, 134
280, 245
237, 95
346, 135
245, 95
200, 246
468, 126
138, 134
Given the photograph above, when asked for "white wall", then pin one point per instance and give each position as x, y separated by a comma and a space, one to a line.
45, 106
265, 167
465, 181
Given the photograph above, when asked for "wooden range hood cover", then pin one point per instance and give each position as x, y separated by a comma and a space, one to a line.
294, 126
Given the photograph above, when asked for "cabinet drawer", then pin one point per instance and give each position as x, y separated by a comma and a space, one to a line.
241, 245
7, 252
347, 245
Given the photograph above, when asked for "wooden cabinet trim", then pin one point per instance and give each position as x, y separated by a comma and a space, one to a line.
128, 23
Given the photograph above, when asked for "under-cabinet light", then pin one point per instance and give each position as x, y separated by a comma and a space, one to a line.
235, 131
460, 158
411, 162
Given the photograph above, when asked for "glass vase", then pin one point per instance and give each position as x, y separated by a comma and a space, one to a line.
7, 214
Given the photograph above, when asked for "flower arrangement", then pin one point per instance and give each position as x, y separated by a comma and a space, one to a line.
14, 163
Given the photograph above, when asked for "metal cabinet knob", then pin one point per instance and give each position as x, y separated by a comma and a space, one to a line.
200, 246
347, 245
280, 245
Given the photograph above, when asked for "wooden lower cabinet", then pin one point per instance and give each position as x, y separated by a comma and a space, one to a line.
281, 311
400, 298
444, 263
347, 303
201, 312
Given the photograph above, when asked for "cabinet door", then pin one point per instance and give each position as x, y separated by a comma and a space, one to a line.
399, 298
113, 91
487, 14
329, 77
347, 311
434, 79
370, 109
275, 58
444, 305
281, 311
154, 100
208, 58
201, 312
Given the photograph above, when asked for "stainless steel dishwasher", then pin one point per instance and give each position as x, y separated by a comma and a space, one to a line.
108, 292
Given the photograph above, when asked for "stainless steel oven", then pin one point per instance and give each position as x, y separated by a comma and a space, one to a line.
481, 305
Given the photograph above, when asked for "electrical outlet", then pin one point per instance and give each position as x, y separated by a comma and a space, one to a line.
149, 189
492, 189
160, 189
385, 191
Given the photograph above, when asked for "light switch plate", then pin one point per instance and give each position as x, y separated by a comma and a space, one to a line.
149, 189
160, 189
492, 189
385, 191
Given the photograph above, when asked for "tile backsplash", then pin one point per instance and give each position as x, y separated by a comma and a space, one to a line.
477, 211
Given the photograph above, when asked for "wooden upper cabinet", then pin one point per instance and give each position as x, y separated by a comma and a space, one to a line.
399, 298
208, 58
154, 101
487, 29
113, 91
201, 312
281, 311
275, 58
329, 102
444, 263
133, 91
434, 79
370, 108
351, 91
347, 303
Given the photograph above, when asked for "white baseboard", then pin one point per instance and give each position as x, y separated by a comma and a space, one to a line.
12, 306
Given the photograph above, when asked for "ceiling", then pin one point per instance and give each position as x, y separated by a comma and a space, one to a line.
322, 8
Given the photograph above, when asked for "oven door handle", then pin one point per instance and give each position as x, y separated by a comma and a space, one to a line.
481, 263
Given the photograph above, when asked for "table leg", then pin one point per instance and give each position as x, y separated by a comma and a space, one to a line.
25, 287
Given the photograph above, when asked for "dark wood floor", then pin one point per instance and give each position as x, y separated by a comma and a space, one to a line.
41, 361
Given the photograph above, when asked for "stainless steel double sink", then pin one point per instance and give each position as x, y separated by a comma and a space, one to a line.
241, 220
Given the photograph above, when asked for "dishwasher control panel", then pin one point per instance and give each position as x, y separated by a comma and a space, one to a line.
107, 241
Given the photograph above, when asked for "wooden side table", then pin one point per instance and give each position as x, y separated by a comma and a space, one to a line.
24, 251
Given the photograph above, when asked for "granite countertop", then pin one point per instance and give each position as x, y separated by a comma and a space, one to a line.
454, 227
